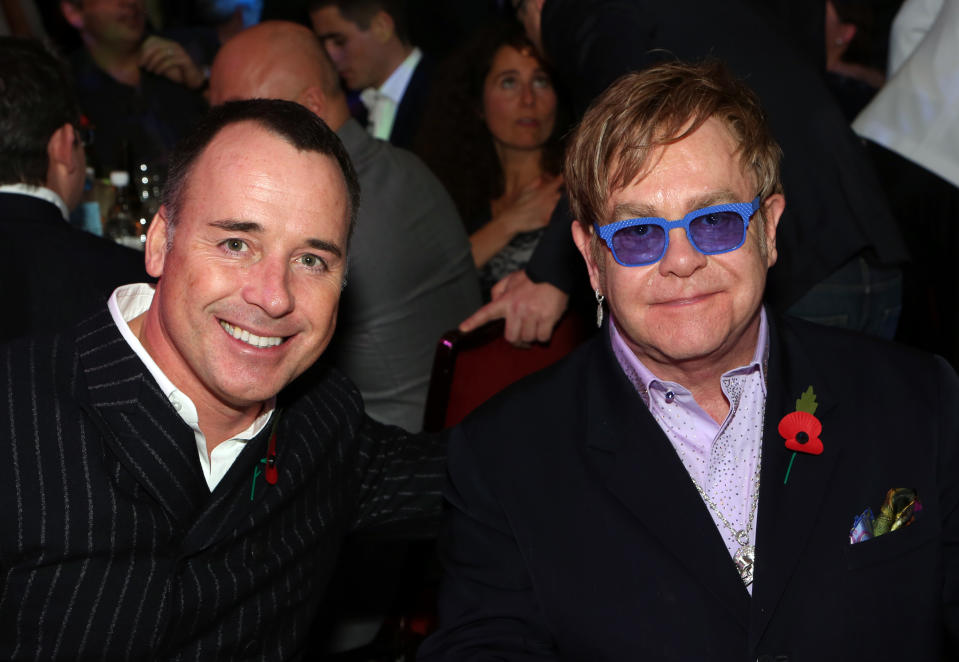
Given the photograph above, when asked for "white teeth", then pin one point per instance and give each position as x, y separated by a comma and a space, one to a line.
249, 338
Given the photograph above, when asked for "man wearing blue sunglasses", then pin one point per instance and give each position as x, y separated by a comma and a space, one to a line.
698, 481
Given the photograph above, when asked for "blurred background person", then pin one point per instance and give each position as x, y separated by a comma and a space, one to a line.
492, 136
850, 73
141, 91
912, 127
369, 43
50, 272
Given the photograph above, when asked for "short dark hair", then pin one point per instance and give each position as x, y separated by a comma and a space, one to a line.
36, 99
362, 12
290, 121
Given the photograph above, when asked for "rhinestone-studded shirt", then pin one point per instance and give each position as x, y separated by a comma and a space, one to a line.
721, 458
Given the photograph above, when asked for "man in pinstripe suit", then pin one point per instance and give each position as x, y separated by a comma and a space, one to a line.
180, 469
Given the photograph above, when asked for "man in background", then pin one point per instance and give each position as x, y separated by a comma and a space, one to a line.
368, 41
141, 92
50, 272
411, 274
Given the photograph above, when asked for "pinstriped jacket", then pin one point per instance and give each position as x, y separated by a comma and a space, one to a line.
113, 547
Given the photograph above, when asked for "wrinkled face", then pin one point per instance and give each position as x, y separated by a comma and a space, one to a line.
248, 291
356, 53
519, 103
688, 307
112, 21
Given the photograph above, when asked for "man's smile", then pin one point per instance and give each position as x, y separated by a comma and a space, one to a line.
250, 338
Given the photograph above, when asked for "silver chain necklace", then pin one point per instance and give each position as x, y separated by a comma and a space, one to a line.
745, 557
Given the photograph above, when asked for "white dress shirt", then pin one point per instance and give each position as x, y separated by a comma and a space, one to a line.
130, 301
382, 102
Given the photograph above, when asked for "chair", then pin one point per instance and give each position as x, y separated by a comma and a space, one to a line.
469, 368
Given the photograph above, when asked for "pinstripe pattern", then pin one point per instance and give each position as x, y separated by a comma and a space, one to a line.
112, 546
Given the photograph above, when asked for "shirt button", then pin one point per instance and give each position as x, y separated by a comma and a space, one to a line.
176, 404
670, 396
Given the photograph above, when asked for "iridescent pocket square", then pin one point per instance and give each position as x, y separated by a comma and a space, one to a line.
900, 509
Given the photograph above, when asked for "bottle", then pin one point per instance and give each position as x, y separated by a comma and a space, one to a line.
87, 215
123, 221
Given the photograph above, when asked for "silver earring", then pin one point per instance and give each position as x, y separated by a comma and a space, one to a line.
599, 307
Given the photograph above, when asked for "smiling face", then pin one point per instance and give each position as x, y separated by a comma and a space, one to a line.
688, 309
248, 290
519, 103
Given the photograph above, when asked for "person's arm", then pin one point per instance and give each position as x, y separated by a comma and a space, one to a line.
400, 477
487, 606
531, 301
529, 210
165, 57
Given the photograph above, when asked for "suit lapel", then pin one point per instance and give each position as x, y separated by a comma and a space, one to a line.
788, 512
137, 422
640, 467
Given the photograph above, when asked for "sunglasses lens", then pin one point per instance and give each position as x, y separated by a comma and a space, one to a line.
639, 244
717, 232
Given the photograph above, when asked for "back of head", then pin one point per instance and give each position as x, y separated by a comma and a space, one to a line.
361, 12
286, 120
274, 59
655, 107
36, 99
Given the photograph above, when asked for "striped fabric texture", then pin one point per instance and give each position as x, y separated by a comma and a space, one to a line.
113, 548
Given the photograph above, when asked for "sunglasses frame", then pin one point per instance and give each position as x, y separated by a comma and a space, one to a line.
745, 210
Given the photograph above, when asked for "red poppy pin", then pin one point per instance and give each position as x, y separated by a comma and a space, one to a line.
801, 429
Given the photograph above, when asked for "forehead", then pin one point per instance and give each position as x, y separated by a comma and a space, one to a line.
702, 167
247, 173
329, 20
508, 57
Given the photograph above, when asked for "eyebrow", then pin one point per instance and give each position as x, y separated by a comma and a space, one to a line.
639, 210
255, 228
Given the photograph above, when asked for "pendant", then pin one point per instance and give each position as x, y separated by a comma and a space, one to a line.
745, 559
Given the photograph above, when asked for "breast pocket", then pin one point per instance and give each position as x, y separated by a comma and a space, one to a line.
893, 586
887, 548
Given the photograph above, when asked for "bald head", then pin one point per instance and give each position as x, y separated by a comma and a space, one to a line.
279, 60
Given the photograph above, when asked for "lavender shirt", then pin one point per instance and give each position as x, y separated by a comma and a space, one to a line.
721, 458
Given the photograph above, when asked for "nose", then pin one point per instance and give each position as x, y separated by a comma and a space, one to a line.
681, 258
268, 287
527, 96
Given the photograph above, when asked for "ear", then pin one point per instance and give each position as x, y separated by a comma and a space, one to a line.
773, 208
155, 250
72, 13
314, 99
60, 148
585, 239
382, 27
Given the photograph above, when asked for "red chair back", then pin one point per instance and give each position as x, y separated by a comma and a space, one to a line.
469, 368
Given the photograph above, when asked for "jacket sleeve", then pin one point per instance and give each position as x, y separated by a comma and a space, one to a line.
488, 607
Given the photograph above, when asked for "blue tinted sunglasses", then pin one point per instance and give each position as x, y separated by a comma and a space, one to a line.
637, 242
